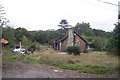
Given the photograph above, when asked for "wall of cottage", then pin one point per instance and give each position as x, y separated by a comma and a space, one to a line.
81, 42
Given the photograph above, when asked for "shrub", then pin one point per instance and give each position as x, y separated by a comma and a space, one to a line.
30, 59
32, 47
73, 50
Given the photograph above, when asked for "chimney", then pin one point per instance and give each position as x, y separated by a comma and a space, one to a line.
70, 37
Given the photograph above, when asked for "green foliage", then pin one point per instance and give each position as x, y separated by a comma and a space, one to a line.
7, 57
73, 50
97, 37
25, 41
56, 63
99, 32
30, 59
20, 32
116, 38
98, 42
8, 33
83, 29
32, 47
112, 44
49, 36
108, 46
88, 38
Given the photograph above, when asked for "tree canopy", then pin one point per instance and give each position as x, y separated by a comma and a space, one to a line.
98, 37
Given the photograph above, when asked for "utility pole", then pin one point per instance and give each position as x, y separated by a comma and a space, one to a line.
1, 25
119, 12
3, 21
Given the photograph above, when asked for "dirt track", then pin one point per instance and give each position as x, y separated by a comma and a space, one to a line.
20, 70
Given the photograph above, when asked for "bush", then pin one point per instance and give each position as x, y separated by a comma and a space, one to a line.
73, 50
109, 46
32, 47
112, 44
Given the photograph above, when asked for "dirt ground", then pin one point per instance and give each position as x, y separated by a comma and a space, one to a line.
21, 70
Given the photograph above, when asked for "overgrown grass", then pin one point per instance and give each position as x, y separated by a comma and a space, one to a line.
7, 56
29, 60
93, 62
94, 69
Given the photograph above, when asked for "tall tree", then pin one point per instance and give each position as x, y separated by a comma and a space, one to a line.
83, 29
20, 32
25, 41
116, 38
63, 24
112, 45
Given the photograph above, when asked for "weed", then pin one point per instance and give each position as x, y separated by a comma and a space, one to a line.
30, 59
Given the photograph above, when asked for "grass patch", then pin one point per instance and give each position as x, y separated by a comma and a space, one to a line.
8, 57
55, 63
71, 62
93, 62
94, 69
30, 59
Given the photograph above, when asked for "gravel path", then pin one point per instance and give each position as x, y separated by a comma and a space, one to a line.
20, 70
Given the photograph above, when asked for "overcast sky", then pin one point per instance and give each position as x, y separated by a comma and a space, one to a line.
46, 14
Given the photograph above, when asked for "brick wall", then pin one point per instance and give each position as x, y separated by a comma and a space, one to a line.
82, 43
64, 44
77, 39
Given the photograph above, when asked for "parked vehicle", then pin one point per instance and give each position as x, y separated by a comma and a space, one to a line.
19, 50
